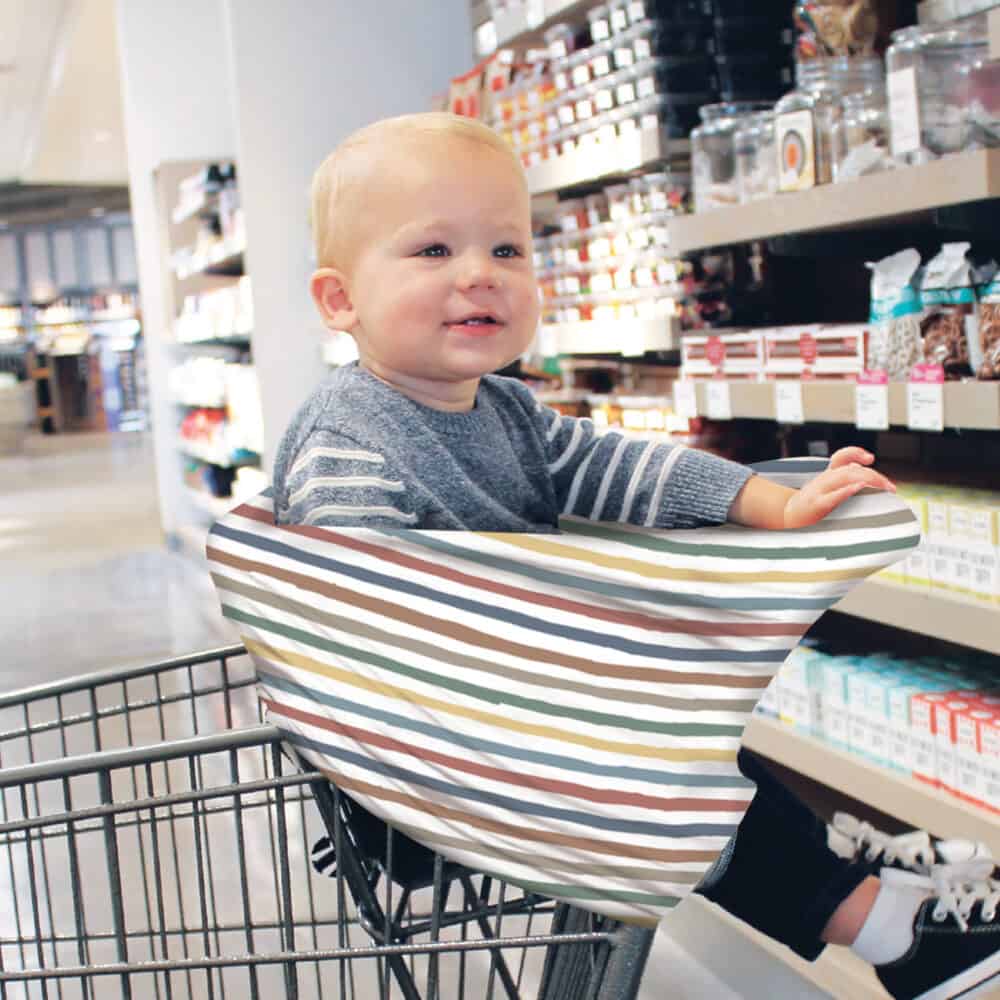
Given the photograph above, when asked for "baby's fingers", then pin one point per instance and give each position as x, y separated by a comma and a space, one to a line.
857, 474
845, 456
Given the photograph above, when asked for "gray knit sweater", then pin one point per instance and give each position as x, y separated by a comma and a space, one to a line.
360, 454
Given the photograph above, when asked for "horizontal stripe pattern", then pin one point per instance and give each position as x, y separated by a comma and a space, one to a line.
562, 712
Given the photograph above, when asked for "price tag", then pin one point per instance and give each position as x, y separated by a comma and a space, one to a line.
925, 398
788, 402
718, 404
534, 13
685, 399
871, 401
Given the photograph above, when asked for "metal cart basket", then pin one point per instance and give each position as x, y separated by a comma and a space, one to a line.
155, 842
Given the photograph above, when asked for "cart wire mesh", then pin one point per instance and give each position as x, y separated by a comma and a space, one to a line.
182, 869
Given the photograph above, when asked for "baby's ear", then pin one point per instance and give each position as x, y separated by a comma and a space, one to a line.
329, 290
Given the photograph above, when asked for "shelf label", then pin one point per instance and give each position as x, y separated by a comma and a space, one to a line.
718, 403
788, 407
871, 401
685, 399
925, 398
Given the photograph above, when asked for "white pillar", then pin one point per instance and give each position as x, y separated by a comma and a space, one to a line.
177, 97
306, 74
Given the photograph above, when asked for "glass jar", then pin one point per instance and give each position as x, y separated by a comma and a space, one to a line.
947, 58
861, 137
756, 157
805, 117
713, 161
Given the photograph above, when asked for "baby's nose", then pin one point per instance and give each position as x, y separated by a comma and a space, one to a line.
479, 270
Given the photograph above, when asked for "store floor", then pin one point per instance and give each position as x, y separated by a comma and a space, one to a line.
86, 583
85, 579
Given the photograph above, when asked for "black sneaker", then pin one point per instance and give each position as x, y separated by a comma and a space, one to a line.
914, 851
956, 936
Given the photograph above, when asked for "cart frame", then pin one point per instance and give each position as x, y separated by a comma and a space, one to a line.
140, 803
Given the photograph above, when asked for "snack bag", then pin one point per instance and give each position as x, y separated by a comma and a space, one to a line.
986, 360
895, 345
950, 317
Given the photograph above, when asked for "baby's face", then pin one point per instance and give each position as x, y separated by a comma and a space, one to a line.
443, 283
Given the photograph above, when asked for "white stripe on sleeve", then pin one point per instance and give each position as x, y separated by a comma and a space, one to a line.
635, 481
339, 511
607, 478
574, 443
661, 482
344, 482
325, 451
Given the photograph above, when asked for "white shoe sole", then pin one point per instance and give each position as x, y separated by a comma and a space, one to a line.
973, 982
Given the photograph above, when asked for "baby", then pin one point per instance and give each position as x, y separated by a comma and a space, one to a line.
423, 238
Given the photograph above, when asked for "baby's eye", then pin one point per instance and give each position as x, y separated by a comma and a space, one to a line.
434, 250
507, 250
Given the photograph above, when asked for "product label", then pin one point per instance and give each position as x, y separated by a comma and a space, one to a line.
566, 114
685, 399
599, 30
624, 57
601, 66
584, 109
925, 398
718, 404
642, 49
796, 144
604, 101
808, 349
619, 19
580, 75
788, 407
647, 87
904, 111
871, 401
636, 10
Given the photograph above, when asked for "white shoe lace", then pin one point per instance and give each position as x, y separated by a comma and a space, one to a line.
956, 888
913, 849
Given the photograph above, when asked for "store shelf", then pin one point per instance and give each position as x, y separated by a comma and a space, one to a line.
632, 151
893, 195
629, 337
927, 611
967, 405
222, 459
890, 791
524, 25
224, 261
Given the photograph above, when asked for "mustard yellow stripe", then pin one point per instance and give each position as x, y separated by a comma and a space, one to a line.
536, 543
302, 662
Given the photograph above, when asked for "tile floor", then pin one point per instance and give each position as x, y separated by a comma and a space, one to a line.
86, 583
85, 579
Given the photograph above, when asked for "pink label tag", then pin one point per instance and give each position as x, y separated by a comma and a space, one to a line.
808, 349
873, 376
927, 374
715, 351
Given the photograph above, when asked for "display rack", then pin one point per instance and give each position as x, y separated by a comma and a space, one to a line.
628, 338
636, 150
904, 195
967, 405
524, 25
895, 793
927, 611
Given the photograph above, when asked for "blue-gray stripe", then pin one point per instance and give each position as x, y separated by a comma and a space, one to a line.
500, 614
515, 805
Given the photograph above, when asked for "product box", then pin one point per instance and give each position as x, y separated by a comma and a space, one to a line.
725, 354
984, 550
945, 714
768, 704
900, 738
923, 735
989, 744
834, 727
940, 550
916, 566
799, 690
815, 350
970, 773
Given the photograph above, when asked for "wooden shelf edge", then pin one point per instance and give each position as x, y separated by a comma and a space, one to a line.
927, 611
894, 793
951, 180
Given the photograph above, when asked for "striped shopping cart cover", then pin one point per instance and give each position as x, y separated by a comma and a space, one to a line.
562, 711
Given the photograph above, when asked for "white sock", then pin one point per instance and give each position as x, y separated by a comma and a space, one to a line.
887, 933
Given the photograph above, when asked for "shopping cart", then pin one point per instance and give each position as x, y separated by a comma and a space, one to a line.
155, 843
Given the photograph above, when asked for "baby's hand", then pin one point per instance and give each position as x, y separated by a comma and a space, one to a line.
846, 476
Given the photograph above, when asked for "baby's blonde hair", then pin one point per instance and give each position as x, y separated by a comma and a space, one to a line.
337, 186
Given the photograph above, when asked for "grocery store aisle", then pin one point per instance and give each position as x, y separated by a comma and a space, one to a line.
85, 579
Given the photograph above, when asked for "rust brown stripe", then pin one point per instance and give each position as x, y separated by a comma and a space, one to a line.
618, 848
569, 788
471, 637
668, 625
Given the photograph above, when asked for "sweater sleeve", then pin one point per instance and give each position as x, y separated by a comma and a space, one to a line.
334, 481
612, 476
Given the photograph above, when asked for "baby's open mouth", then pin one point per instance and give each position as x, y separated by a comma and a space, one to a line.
475, 321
